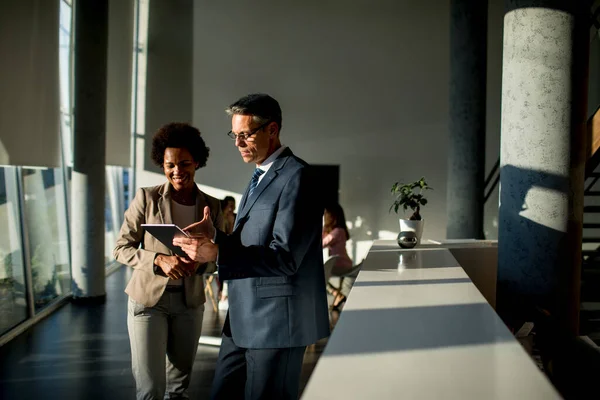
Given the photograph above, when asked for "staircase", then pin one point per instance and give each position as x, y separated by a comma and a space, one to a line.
590, 268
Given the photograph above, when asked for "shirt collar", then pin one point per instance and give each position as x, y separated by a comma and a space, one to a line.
269, 161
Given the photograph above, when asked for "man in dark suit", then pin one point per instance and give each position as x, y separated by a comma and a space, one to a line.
273, 262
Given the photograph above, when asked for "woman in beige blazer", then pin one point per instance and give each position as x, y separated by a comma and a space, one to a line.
166, 292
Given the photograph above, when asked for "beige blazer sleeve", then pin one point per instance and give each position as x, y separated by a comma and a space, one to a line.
127, 250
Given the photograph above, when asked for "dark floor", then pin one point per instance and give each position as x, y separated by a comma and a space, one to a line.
82, 352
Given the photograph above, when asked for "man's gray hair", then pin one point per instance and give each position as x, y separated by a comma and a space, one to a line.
262, 107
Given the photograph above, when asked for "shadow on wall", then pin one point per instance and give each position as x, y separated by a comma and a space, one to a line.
532, 237
539, 274
540, 225
361, 238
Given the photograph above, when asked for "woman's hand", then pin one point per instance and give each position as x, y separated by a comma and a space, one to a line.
176, 267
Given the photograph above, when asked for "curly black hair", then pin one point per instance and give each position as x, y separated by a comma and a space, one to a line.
182, 136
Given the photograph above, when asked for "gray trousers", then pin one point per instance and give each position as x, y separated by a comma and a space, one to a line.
164, 340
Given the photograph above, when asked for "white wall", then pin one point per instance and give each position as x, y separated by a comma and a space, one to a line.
361, 84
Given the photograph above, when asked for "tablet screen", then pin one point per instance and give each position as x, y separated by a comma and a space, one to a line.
165, 233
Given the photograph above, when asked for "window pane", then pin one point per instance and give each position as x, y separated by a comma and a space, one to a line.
126, 188
109, 231
45, 214
65, 80
13, 303
113, 210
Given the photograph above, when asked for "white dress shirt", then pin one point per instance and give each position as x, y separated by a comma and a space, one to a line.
269, 161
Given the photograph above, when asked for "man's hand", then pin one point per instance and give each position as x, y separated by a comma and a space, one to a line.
202, 229
198, 248
175, 267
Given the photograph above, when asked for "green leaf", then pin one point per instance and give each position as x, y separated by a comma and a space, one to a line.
409, 195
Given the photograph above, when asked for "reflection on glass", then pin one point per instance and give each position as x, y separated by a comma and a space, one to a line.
45, 215
125, 188
13, 303
109, 233
114, 201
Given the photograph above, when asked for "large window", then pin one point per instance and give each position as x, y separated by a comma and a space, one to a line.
35, 268
64, 61
114, 208
45, 218
13, 299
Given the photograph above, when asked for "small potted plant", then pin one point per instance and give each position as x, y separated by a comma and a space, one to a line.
410, 195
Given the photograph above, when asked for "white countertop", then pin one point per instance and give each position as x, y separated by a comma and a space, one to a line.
392, 245
415, 327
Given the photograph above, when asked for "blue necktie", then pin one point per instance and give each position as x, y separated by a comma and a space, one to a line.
254, 181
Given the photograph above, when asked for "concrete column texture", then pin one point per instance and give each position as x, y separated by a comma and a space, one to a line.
544, 94
89, 150
466, 147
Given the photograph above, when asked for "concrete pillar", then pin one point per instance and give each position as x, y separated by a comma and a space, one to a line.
466, 147
89, 150
544, 94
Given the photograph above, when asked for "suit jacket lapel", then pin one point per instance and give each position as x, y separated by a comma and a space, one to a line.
201, 202
164, 204
244, 199
266, 181
271, 174
243, 202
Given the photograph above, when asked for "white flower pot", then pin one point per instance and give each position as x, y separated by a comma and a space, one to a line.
407, 225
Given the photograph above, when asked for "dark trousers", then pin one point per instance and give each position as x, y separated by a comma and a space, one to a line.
252, 374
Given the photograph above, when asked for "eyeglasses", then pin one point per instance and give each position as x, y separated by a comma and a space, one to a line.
244, 136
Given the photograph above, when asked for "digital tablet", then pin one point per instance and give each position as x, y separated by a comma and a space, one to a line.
165, 233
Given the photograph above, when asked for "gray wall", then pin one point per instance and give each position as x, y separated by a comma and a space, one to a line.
362, 86
30, 97
169, 71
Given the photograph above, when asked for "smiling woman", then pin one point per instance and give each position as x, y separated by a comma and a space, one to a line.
166, 291
179, 150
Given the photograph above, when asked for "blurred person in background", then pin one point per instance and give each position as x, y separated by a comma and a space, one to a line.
335, 236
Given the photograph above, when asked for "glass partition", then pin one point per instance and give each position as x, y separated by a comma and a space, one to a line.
13, 298
114, 208
46, 221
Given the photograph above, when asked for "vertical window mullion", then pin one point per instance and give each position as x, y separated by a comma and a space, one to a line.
26, 251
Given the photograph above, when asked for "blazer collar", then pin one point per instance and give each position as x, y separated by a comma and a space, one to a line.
164, 203
271, 174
